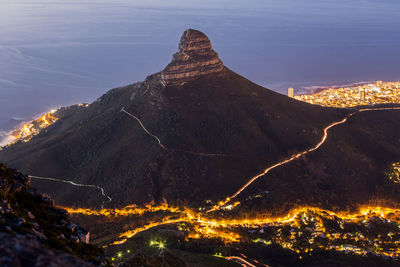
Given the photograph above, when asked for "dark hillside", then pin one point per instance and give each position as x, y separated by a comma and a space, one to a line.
218, 129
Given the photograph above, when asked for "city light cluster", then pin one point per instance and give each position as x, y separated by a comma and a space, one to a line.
32, 128
374, 232
369, 230
394, 172
366, 94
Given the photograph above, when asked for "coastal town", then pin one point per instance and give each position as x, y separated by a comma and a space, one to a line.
366, 94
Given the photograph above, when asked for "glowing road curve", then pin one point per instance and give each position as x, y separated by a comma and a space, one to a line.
296, 156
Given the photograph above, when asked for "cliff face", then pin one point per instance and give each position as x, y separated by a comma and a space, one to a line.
36, 233
195, 58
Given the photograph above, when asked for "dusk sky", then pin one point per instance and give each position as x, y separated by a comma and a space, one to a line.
55, 53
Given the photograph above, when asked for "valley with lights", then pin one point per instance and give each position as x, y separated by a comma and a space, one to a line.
223, 230
370, 230
198, 166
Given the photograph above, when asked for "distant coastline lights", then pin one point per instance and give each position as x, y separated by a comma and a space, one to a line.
343, 97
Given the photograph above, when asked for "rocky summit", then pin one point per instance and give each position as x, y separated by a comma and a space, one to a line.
195, 57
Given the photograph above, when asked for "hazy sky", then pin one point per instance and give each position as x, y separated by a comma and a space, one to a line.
61, 52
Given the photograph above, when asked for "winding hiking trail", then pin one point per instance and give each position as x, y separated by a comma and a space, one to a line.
296, 156
144, 128
165, 148
73, 183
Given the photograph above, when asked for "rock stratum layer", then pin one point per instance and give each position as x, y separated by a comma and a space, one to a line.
195, 57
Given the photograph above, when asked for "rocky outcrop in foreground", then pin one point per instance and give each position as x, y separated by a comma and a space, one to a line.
33, 232
19, 250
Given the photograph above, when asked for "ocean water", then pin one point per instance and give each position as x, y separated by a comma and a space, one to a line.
60, 52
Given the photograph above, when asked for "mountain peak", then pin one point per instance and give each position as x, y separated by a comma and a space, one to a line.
195, 42
195, 57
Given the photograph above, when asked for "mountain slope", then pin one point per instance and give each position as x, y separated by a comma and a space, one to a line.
216, 130
349, 170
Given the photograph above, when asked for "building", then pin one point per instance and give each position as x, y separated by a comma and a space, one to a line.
291, 92
362, 95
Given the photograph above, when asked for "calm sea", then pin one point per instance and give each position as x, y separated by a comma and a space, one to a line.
62, 52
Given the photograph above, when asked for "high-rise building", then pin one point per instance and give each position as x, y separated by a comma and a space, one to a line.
291, 92
362, 94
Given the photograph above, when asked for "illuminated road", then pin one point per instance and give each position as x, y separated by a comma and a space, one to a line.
162, 146
255, 261
73, 183
244, 261
240, 261
296, 156
129, 234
